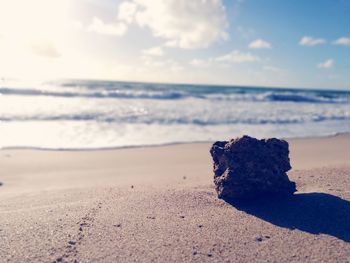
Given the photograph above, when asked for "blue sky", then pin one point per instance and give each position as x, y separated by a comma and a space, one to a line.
242, 42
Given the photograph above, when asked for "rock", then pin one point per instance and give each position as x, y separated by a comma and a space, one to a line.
259, 239
246, 168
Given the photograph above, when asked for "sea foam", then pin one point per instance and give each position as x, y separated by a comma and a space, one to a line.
99, 114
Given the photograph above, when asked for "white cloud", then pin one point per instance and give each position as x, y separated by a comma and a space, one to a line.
154, 51
259, 43
344, 41
310, 41
329, 63
237, 56
127, 11
113, 29
183, 23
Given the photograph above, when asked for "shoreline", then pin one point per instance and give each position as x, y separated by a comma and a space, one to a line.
154, 145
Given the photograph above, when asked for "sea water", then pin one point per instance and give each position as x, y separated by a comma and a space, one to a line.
82, 114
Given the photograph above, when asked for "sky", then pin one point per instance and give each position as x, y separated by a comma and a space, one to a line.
293, 43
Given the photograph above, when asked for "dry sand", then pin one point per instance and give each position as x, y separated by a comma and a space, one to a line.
158, 204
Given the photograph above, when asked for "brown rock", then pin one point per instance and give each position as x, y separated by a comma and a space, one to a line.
246, 168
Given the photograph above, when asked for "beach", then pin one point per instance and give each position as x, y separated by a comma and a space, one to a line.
158, 204
153, 131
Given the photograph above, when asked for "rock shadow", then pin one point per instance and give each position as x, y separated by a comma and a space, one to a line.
315, 213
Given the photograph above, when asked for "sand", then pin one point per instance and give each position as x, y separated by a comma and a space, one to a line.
158, 204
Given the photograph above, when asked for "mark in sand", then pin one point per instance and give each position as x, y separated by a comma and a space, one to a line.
70, 251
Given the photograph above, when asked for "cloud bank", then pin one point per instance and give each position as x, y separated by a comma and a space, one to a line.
181, 23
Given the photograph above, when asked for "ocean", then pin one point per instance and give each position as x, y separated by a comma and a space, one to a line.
85, 114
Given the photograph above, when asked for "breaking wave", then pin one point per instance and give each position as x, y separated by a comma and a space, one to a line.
94, 114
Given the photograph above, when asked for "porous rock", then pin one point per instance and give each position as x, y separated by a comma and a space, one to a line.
247, 168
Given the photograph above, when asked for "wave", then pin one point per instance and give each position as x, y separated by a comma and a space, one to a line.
171, 95
102, 118
308, 98
179, 92
293, 97
108, 113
